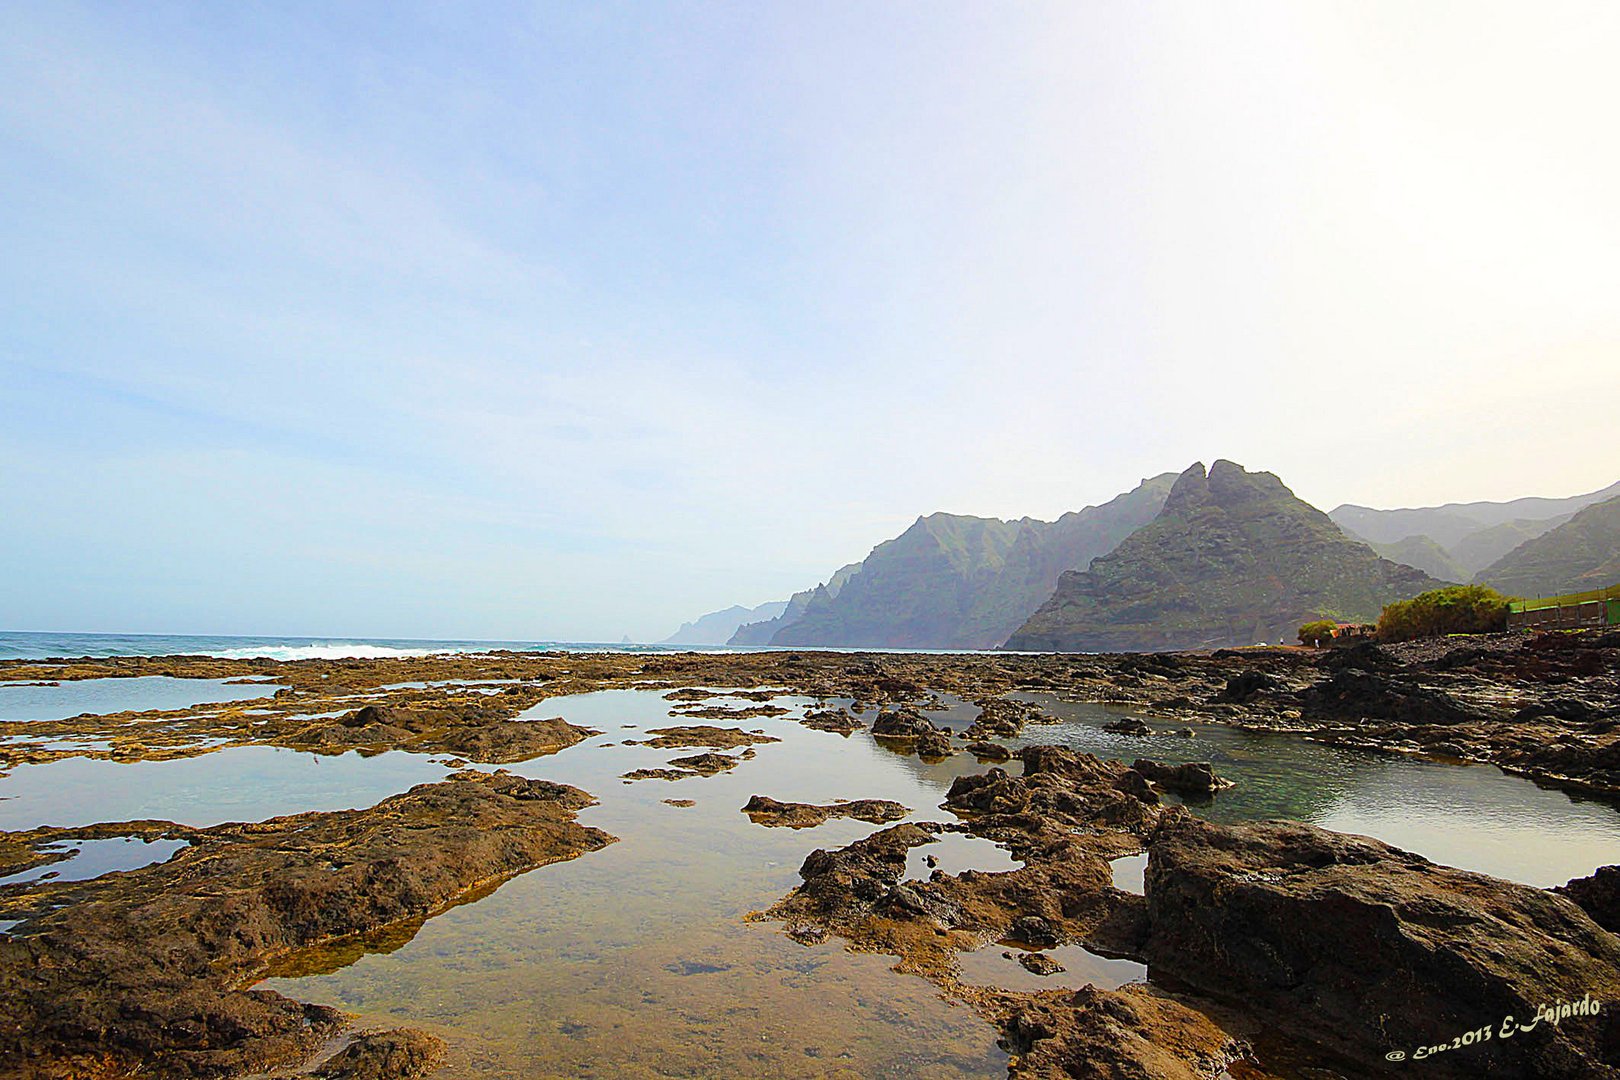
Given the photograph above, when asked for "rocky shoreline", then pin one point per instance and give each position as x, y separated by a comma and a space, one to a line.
1545, 706
153, 968
1351, 950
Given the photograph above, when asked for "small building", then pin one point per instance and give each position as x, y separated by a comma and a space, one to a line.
1346, 634
1595, 608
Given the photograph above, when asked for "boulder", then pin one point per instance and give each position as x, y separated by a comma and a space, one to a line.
385, 1055
902, 723
1134, 1033
1372, 951
1598, 895
1352, 694
1195, 779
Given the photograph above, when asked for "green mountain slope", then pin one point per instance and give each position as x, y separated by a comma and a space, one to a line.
1583, 553
1423, 553
1476, 551
954, 581
1233, 558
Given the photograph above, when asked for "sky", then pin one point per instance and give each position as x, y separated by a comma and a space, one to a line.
572, 321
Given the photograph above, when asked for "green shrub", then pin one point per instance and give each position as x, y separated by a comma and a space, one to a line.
1455, 609
1318, 632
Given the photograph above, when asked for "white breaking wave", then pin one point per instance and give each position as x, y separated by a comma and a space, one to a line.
328, 651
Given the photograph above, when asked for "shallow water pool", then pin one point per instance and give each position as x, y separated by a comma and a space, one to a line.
93, 858
241, 783
1476, 817
26, 701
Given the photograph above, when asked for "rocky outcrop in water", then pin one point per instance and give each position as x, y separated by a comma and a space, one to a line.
404, 1054
478, 733
764, 810
1125, 1034
1195, 779
1372, 951
147, 969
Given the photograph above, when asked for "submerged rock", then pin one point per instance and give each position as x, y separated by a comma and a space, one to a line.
1196, 778
404, 1054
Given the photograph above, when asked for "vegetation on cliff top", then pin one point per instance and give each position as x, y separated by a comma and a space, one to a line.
1455, 609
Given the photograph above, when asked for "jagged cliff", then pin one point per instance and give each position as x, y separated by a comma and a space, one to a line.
1233, 558
717, 627
952, 581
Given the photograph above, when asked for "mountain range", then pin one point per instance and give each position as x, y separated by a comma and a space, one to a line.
716, 627
1200, 558
1233, 558
958, 582
1583, 553
1459, 540
952, 581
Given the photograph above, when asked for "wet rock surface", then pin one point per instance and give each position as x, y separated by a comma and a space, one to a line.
1369, 950
149, 969
702, 735
1342, 947
835, 720
1133, 1032
1195, 779
1598, 895
1544, 706
1065, 818
765, 810
385, 1055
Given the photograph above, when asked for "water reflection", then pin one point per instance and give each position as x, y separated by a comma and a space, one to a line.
952, 853
998, 964
1471, 816
27, 701
636, 960
244, 783
93, 858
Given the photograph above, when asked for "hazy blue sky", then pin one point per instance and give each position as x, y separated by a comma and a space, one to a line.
576, 320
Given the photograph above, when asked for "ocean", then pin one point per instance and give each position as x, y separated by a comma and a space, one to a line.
16, 645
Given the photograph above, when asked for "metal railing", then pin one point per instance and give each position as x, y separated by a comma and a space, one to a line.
1591, 596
